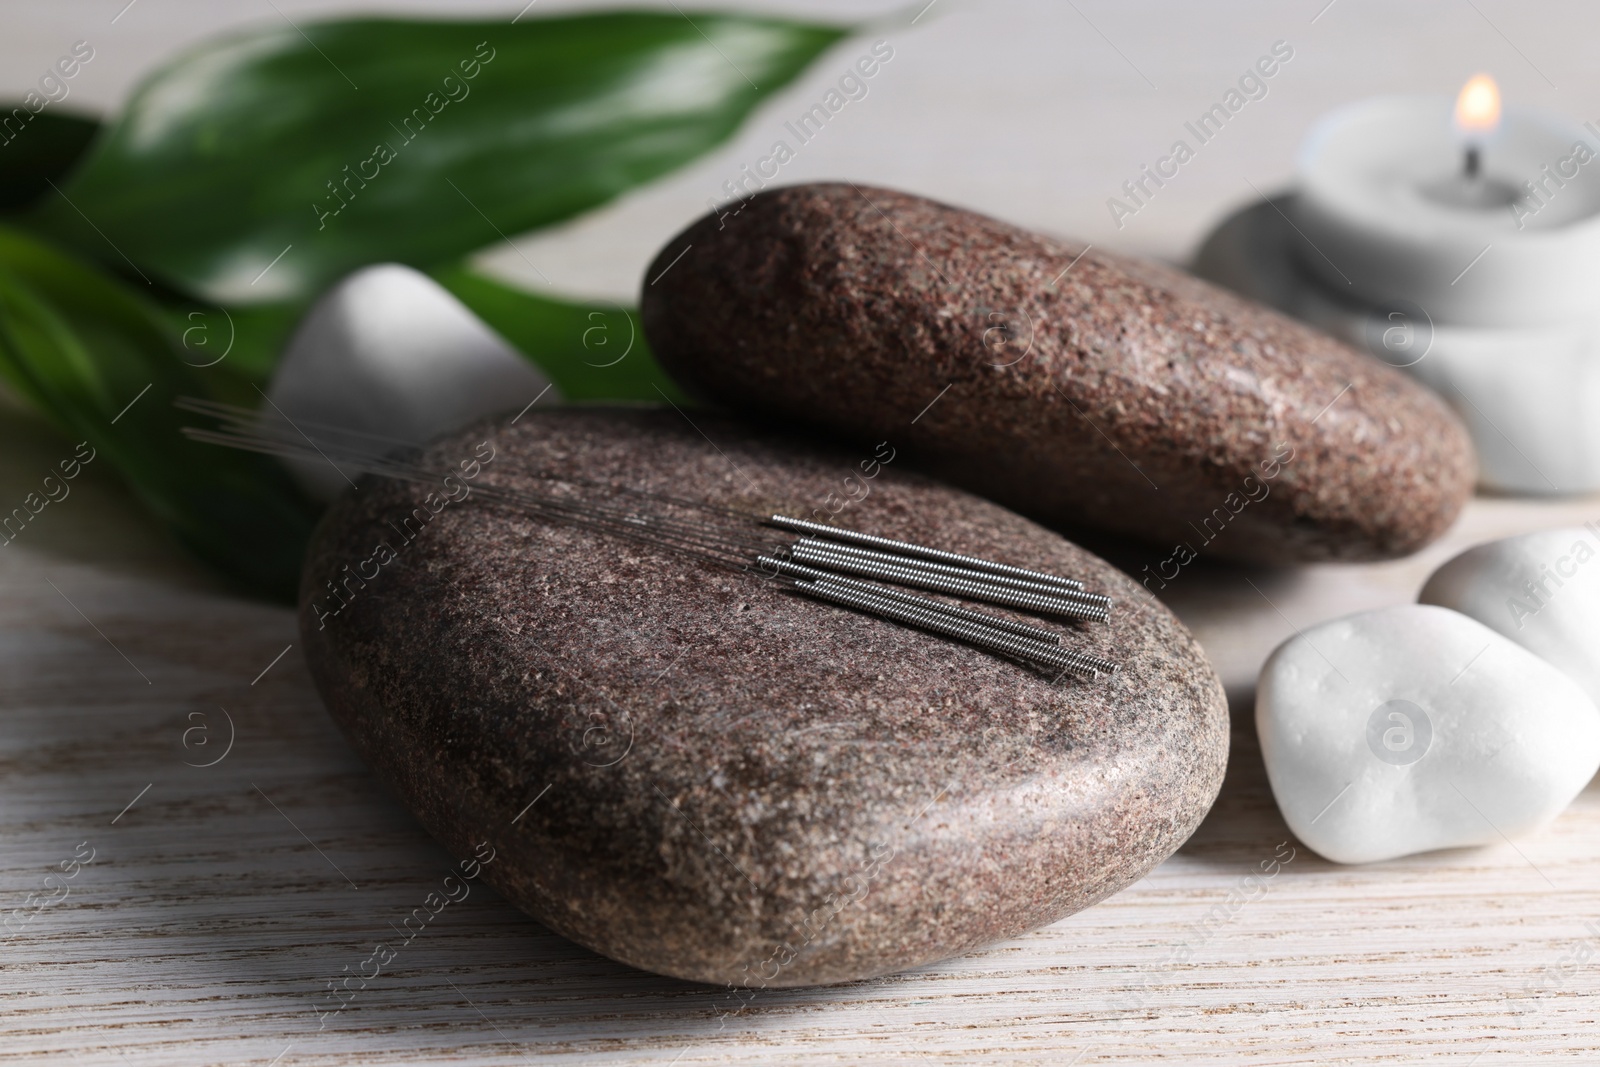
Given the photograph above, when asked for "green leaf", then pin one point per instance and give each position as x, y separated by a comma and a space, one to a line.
37, 148
105, 365
590, 351
369, 140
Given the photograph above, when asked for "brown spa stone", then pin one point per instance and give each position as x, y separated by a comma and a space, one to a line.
1099, 392
730, 783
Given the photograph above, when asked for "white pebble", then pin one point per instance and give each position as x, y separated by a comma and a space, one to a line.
1542, 590
389, 351
1415, 728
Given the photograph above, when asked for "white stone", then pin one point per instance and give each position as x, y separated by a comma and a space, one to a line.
1542, 590
1415, 728
389, 351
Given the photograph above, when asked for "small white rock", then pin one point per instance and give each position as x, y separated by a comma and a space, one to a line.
1416, 728
389, 351
1542, 590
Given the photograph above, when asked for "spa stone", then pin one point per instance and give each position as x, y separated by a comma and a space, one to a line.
730, 783
1082, 388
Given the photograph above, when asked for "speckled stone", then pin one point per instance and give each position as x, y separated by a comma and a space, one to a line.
730, 783
1101, 392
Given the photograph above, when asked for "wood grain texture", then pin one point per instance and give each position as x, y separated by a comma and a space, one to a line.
207, 926
223, 900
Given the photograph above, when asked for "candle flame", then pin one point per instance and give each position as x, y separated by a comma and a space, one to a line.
1478, 106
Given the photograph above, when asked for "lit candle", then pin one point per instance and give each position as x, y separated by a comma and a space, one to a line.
1461, 244
1474, 219
1477, 117
1477, 114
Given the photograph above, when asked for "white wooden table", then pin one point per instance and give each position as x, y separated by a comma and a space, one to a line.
221, 899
